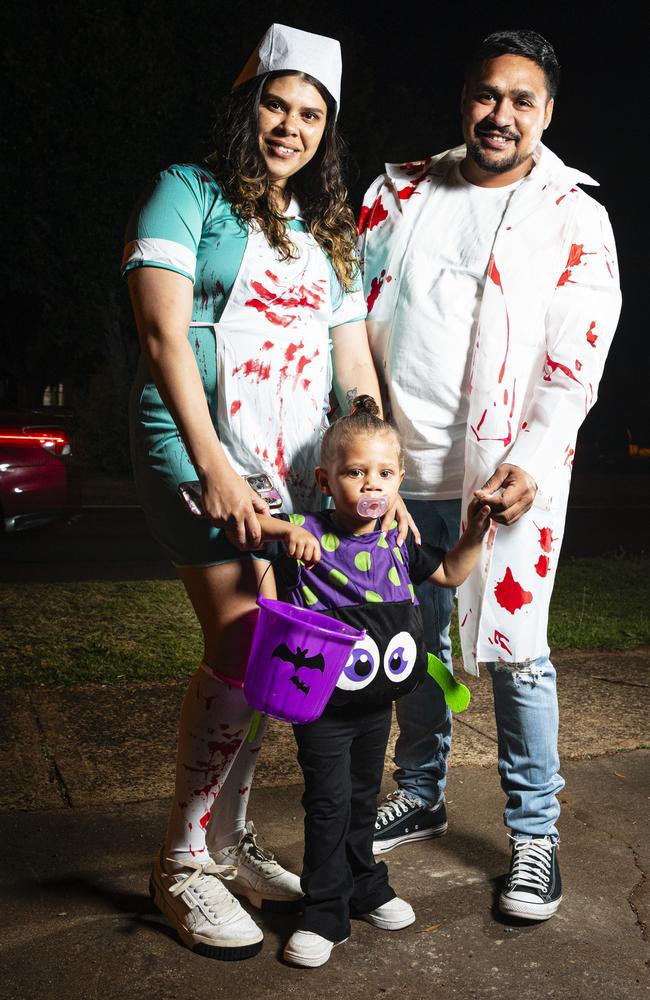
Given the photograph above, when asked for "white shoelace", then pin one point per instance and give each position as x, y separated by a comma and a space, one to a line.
396, 804
531, 865
252, 854
211, 891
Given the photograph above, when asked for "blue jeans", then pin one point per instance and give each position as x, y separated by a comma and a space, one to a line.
525, 705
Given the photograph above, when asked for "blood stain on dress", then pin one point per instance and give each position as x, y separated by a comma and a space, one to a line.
205, 819
590, 335
235, 406
510, 594
267, 345
291, 350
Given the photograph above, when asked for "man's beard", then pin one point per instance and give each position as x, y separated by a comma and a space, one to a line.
490, 165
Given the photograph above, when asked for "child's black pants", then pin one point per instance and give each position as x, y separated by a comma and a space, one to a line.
342, 760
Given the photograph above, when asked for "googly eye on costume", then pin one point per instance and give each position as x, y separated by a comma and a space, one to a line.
400, 657
362, 666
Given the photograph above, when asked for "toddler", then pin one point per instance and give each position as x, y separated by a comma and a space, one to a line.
341, 563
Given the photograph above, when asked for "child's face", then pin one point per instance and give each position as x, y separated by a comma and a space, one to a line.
367, 465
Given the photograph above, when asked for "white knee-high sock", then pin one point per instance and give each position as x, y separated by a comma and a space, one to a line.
228, 819
215, 719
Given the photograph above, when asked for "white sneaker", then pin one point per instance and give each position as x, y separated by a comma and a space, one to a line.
264, 883
391, 916
308, 949
207, 918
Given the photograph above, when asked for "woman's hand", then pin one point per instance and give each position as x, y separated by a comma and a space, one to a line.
399, 512
230, 503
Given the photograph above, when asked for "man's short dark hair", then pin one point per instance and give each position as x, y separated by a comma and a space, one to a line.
528, 44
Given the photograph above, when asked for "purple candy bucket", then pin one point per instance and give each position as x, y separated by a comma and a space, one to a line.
295, 661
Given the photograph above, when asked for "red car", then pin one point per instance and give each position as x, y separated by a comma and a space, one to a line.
34, 476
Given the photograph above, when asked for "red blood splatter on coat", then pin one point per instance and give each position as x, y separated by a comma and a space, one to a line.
500, 639
510, 594
306, 383
493, 273
464, 619
242, 791
375, 287
545, 538
576, 253
205, 819
235, 406
272, 276
267, 345
479, 437
371, 216
541, 566
590, 335
553, 366
568, 458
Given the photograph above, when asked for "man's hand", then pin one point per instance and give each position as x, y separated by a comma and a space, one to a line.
509, 492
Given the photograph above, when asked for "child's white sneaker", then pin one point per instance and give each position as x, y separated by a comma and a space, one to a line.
391, 916
309, 949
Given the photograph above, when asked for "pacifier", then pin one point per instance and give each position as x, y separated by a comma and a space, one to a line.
372, 506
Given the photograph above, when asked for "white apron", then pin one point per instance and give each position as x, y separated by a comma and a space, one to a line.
273, 367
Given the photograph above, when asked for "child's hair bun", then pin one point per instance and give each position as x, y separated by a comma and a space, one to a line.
364, 404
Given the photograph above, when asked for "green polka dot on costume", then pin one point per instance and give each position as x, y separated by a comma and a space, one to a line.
330, 542
382, 543
297, 519
362, 561
393, 576
398, 555
338, 578
309, 595
373, 598
412, 592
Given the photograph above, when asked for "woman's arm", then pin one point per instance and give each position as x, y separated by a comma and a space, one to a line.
162, 303
354, 371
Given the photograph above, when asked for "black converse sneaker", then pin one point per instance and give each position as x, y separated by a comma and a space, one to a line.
401, 819
533, 889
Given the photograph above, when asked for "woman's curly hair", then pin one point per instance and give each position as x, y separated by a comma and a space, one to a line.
240, 171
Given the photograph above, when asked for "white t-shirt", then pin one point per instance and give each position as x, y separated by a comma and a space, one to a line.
434, 328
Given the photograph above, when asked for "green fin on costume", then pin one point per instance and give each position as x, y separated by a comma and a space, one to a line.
255, 725
456, 694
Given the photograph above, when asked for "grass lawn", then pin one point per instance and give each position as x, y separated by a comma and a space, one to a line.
110, 632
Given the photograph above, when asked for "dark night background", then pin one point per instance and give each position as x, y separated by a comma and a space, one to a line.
100, 95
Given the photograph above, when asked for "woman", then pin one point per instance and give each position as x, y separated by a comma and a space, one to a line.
255, 256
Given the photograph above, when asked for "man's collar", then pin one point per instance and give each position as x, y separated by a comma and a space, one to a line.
548, 167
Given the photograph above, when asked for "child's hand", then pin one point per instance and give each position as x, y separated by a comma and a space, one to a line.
301, 544
478, 519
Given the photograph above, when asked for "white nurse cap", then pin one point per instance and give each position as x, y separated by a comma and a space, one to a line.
283, 47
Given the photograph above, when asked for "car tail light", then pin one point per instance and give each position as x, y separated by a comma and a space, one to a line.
56, 441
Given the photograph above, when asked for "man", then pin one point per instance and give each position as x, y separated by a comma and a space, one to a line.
493, 296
